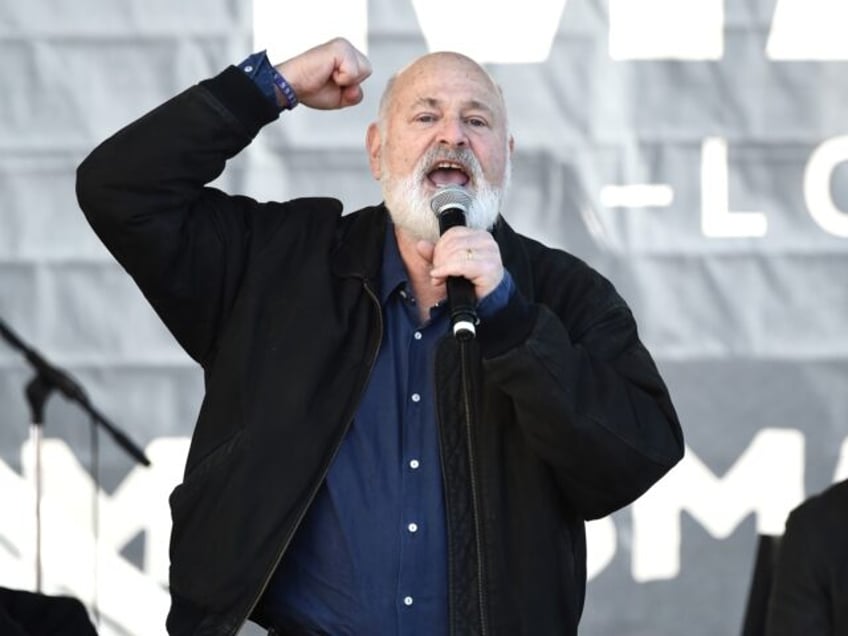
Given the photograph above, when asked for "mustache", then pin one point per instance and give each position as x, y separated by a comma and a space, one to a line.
462, 156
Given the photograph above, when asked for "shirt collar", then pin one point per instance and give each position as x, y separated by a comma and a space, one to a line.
393, 272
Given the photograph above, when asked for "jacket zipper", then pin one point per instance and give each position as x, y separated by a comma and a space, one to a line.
475, 495
326, 469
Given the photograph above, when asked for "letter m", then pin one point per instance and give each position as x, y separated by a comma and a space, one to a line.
767, 480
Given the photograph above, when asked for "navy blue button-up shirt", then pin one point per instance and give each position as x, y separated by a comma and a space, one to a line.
371, 554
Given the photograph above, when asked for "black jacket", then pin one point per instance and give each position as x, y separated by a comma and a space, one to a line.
277, 302
810, 590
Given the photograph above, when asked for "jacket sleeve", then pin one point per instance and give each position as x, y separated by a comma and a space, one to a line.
144, 193
585, 391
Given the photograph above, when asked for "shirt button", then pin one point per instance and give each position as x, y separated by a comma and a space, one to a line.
407, 600
418, 335
248, 69
416, 397
413, 464
412, 527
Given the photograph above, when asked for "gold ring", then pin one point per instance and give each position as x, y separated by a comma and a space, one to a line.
469, 254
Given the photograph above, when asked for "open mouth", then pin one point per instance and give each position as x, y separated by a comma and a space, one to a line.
448, 173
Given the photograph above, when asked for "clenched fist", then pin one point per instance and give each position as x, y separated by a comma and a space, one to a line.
328, 76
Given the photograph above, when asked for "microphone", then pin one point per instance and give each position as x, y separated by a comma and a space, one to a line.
450, 204
53, 375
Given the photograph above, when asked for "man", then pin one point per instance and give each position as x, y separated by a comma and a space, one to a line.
810, 590
354, 469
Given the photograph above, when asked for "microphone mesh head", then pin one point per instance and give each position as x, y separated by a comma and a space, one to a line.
450, 197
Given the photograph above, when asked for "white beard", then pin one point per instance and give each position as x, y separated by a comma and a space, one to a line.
409, 202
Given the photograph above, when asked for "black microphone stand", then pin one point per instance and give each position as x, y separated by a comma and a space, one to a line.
47, 379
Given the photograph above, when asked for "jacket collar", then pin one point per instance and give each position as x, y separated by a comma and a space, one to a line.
359, 243
514, 256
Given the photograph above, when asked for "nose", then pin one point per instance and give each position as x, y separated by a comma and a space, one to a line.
452, 133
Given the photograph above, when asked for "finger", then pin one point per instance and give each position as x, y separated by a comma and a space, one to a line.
473, 255
463, 261
452, 245
462, 267
352, 69
351, 95
458, 248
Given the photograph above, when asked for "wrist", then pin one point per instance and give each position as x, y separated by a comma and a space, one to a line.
269, 81
286, 95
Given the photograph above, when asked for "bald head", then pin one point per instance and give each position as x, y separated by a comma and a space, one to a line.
441, 64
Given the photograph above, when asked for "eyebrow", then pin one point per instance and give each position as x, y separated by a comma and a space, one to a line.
473, 104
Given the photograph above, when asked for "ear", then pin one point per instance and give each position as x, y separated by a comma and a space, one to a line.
373, 144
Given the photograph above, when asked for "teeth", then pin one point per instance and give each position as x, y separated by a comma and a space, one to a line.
450, 165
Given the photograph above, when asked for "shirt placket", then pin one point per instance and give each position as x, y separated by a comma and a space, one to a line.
411, 483
418, 477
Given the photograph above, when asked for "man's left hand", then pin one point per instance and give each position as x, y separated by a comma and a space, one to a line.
467, 253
